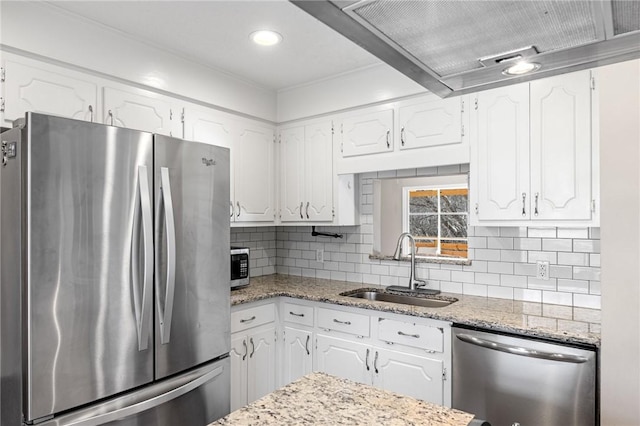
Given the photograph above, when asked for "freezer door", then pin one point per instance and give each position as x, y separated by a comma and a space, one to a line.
192, 254
196, 398
89, 263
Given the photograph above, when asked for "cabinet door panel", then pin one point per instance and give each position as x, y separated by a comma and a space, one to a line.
254, 174
292, 174
261, 367
343, 358
502, 131
433, 123
412, 375
318, 172
43, 90
297, 354
368, 133
561, 147
208, 126
238, 356
139, 110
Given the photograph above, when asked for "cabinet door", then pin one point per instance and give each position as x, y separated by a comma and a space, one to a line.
432, 123
292, 174
297, 354
45, 89
141, 110
261, 364
417, 376
344, 358
368, 133
254, 174
318, 172
502, 154
561, 147
238, 356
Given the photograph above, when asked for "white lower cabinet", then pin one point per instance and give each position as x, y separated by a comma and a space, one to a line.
253, 354
297, 357
343, 358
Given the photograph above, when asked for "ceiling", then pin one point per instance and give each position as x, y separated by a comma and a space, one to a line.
216, 34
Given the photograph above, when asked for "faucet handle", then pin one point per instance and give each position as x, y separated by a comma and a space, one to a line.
419, 283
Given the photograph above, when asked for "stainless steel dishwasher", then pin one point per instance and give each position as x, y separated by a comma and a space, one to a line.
515, 381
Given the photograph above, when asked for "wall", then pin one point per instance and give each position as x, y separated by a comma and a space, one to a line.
262, 242
99, 49
620, 200
503, 258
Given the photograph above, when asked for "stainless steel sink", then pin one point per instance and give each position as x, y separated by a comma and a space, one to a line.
399, 298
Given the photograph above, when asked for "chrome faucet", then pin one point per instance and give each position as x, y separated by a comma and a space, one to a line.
414, 283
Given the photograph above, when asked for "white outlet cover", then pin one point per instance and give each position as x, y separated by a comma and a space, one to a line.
542, 270
319, 255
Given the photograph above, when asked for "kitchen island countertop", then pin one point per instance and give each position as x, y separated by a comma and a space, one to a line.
321, 399
566, 324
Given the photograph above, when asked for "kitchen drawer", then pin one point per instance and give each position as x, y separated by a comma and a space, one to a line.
298, 314
346, 322
252, 317
420, 336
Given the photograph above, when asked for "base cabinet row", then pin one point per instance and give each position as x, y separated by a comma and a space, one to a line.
267, 356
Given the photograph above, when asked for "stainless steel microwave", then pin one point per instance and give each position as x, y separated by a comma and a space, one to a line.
239, 267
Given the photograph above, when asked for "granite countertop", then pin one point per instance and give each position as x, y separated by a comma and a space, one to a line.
560, 323
321, 399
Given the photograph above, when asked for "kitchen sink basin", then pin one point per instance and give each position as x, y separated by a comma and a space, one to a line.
403, 299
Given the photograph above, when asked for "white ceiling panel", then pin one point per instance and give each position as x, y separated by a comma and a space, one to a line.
216, 34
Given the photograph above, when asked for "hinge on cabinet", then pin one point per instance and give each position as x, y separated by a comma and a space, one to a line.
462, 110
341, 146
593, 206
476, 103
444, 374
333, 212
476, 208
332, 128
182, 116
1, 104
341, 128
2, 75
462, 132
170, 114
593, 83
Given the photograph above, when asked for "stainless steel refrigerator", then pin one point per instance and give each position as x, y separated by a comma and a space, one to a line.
115, 276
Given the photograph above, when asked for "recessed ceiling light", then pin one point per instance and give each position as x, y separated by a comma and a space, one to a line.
265, 37
521, 68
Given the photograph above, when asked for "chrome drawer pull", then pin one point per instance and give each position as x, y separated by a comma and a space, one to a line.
342, 322
417, 336
366, 360
296, 315
248, 319
306, 345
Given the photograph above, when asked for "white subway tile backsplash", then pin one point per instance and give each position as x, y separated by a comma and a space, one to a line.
513, 232
451, 287
500, 292
543, 256
513, 256
586, 273
557, 298
560, 271
558, 244
527, 295
586, 301
541, 232
538, 284
527, 244
573, 233
526, 269
586, 246
486, 254
594, 260
515, 281
573, 259
488, 279
474, 289
573, 286
500, 267
464, 277
500, 243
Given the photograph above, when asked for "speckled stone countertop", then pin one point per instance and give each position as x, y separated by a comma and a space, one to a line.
321, 399
561, 323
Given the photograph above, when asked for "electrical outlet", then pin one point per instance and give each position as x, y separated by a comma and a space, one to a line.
319, 255
542, 270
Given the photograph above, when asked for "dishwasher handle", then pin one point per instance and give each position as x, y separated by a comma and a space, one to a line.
517, 350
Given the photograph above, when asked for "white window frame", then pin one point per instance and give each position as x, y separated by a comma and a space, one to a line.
405, 217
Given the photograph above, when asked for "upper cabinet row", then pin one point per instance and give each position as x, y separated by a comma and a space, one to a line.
534, 153
420, 132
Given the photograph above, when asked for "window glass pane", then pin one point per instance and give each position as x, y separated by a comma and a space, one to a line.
454, 225
423, 201
454, 248
453, 200
423, 225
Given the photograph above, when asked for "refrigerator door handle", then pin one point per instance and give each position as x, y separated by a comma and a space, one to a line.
142, 307
166, 312
148, 404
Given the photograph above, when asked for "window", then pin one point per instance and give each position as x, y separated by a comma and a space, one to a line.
437, 219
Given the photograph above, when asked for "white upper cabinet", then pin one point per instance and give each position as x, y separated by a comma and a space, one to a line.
367, 132
561, 153
424, 131
501, 146
141, 110
254, 173
534, 155
47, 89
306, 173
431, 123
208, 126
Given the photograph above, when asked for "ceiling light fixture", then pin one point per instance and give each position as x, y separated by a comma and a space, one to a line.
521, 68
265, 37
